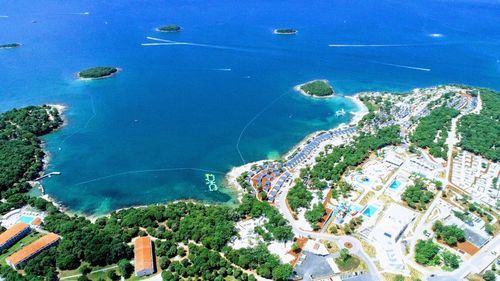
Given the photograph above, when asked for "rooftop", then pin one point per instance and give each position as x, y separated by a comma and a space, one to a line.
143, 254
13, 231
32, 249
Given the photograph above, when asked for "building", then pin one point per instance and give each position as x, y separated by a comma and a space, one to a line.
394, 222
32, 250
144, 259
386, 235
13, 234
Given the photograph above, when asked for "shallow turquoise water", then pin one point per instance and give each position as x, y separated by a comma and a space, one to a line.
175, 112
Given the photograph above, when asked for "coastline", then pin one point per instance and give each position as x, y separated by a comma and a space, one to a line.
235, 172
298, 88
230, 179
118, 70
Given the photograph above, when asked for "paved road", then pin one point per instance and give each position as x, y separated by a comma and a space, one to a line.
356, 249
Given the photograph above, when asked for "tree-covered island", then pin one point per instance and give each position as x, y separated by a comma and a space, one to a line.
316, 88
99, 72
285, 31
169, 28
10, 45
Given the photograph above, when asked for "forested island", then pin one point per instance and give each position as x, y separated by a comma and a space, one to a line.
10, 45
285, 31
169, 28
316, 88
99, 72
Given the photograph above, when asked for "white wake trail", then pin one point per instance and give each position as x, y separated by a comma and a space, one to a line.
368, 45
170, 42
404, 66
4, 16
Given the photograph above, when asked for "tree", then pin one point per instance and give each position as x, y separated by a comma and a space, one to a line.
84, 269
489, 275
315, 215
112, 275
299, 196
426, 252
451, 260
282, 272
125, 268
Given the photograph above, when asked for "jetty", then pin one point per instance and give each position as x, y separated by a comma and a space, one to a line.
48, 175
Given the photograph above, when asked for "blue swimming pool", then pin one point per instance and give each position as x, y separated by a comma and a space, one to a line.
395, 184
25, 219
370, 211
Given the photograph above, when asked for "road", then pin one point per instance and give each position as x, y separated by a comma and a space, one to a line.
356, 249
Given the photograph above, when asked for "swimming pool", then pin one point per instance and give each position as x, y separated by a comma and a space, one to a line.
25, 219
395, 184
370, 211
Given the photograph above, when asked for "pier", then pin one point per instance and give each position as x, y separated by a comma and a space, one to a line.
48, 175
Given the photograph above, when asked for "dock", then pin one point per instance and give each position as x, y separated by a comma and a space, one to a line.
48, 175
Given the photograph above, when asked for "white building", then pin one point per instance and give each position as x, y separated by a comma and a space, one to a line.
394, 222
387, 232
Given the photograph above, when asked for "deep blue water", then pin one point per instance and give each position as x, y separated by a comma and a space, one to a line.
178, 106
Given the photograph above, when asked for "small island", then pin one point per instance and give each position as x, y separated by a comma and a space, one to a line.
169, 28
99, 72
10, 45
315, 88
285, 31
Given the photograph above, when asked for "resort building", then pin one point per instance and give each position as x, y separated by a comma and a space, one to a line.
144, 259
32, 250
393, 223
386, 234
13, 234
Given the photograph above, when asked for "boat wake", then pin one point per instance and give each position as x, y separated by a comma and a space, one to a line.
4, 16
253, 120
170, 43
94, 113
403, 66
369, 45
148, 171
222, 69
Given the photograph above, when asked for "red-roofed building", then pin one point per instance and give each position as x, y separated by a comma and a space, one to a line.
32, 250
144, 259
13, 234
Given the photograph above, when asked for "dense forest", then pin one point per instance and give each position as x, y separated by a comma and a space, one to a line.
97, 72
479, 132
332, 165
432, 131
318, 88
21, 154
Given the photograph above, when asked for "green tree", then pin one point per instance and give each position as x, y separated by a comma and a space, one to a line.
125, 268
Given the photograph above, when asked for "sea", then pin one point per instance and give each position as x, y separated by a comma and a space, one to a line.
219, 93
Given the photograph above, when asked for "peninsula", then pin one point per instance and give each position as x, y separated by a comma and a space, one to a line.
315, 88
10, 45
169, 28
285, 31
99, 72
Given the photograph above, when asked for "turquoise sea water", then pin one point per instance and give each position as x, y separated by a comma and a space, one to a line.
177, 112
